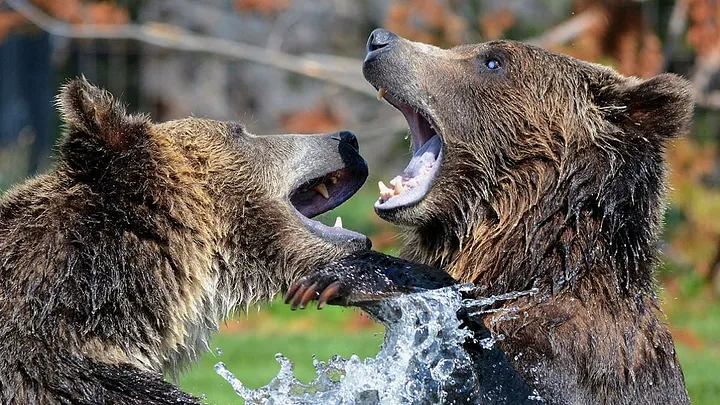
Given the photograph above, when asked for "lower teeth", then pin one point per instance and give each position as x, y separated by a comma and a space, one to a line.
399, 184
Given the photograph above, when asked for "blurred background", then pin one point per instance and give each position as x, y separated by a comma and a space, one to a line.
295, 66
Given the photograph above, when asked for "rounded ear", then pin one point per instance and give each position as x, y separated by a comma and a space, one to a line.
658, 108
87, 110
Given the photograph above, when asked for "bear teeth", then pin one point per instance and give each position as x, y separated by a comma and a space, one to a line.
338, 223
381, 93
399, 184
385, 191
322, 190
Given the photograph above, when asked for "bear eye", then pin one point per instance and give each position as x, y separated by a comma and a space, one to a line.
492, 64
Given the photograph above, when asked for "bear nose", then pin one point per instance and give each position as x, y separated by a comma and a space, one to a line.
348, 138
379, 39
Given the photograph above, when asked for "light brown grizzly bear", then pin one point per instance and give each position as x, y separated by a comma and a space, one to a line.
118, 265
533, 170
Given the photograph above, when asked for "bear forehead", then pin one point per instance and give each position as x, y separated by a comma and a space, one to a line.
509, 48
520, 58
197, 125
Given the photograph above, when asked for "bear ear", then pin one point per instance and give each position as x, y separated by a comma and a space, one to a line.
660, 107
89, 111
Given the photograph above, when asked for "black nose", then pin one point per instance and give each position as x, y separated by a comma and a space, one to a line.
348, 138
379, 39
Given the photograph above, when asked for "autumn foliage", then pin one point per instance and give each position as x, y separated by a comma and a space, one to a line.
265, 7
704, 31
616, 32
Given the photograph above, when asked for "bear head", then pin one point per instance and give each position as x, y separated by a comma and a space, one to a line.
508, 137
146, 235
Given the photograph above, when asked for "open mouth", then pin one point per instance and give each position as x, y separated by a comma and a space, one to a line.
411, 186
324, 193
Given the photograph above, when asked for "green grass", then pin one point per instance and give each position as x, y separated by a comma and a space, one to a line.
249, 353
694, 317
702, 371
251, 359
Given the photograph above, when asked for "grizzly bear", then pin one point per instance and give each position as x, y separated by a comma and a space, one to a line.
117, 266
533, 170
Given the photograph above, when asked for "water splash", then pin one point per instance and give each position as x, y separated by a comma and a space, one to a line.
422, 360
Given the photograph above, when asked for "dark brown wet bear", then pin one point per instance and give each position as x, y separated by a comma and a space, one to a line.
534, 170
118, 265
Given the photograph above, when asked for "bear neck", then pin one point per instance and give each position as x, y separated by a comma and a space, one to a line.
568, 227
157, 258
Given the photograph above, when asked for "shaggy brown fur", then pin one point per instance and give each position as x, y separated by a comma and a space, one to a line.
119, 264
552, 177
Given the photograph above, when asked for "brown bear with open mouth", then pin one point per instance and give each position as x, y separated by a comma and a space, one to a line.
531, 170
118, 265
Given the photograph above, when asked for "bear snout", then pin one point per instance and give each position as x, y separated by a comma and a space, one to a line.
379, 39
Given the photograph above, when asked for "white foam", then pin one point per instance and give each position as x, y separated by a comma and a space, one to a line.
422, 360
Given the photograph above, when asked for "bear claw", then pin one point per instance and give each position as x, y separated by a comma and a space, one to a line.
300, 294
329, 293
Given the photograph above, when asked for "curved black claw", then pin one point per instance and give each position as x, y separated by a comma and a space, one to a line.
363, 278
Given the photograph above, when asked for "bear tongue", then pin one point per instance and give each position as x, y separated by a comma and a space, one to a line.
424, 157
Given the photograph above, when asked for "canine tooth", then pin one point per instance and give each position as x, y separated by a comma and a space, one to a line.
322, 190
398, 185
381, 93
385, 192
338, 222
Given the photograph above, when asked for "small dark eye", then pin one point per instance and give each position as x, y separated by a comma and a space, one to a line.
492, 64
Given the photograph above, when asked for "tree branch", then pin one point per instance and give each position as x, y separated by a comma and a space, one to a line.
676, 27
172, 37
341, 71
569, 29
706, 67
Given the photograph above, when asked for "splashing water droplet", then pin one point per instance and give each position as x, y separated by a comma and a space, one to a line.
422, 360
443, 370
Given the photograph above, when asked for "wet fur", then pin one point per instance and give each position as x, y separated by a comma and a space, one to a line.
553, 178
118, 265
